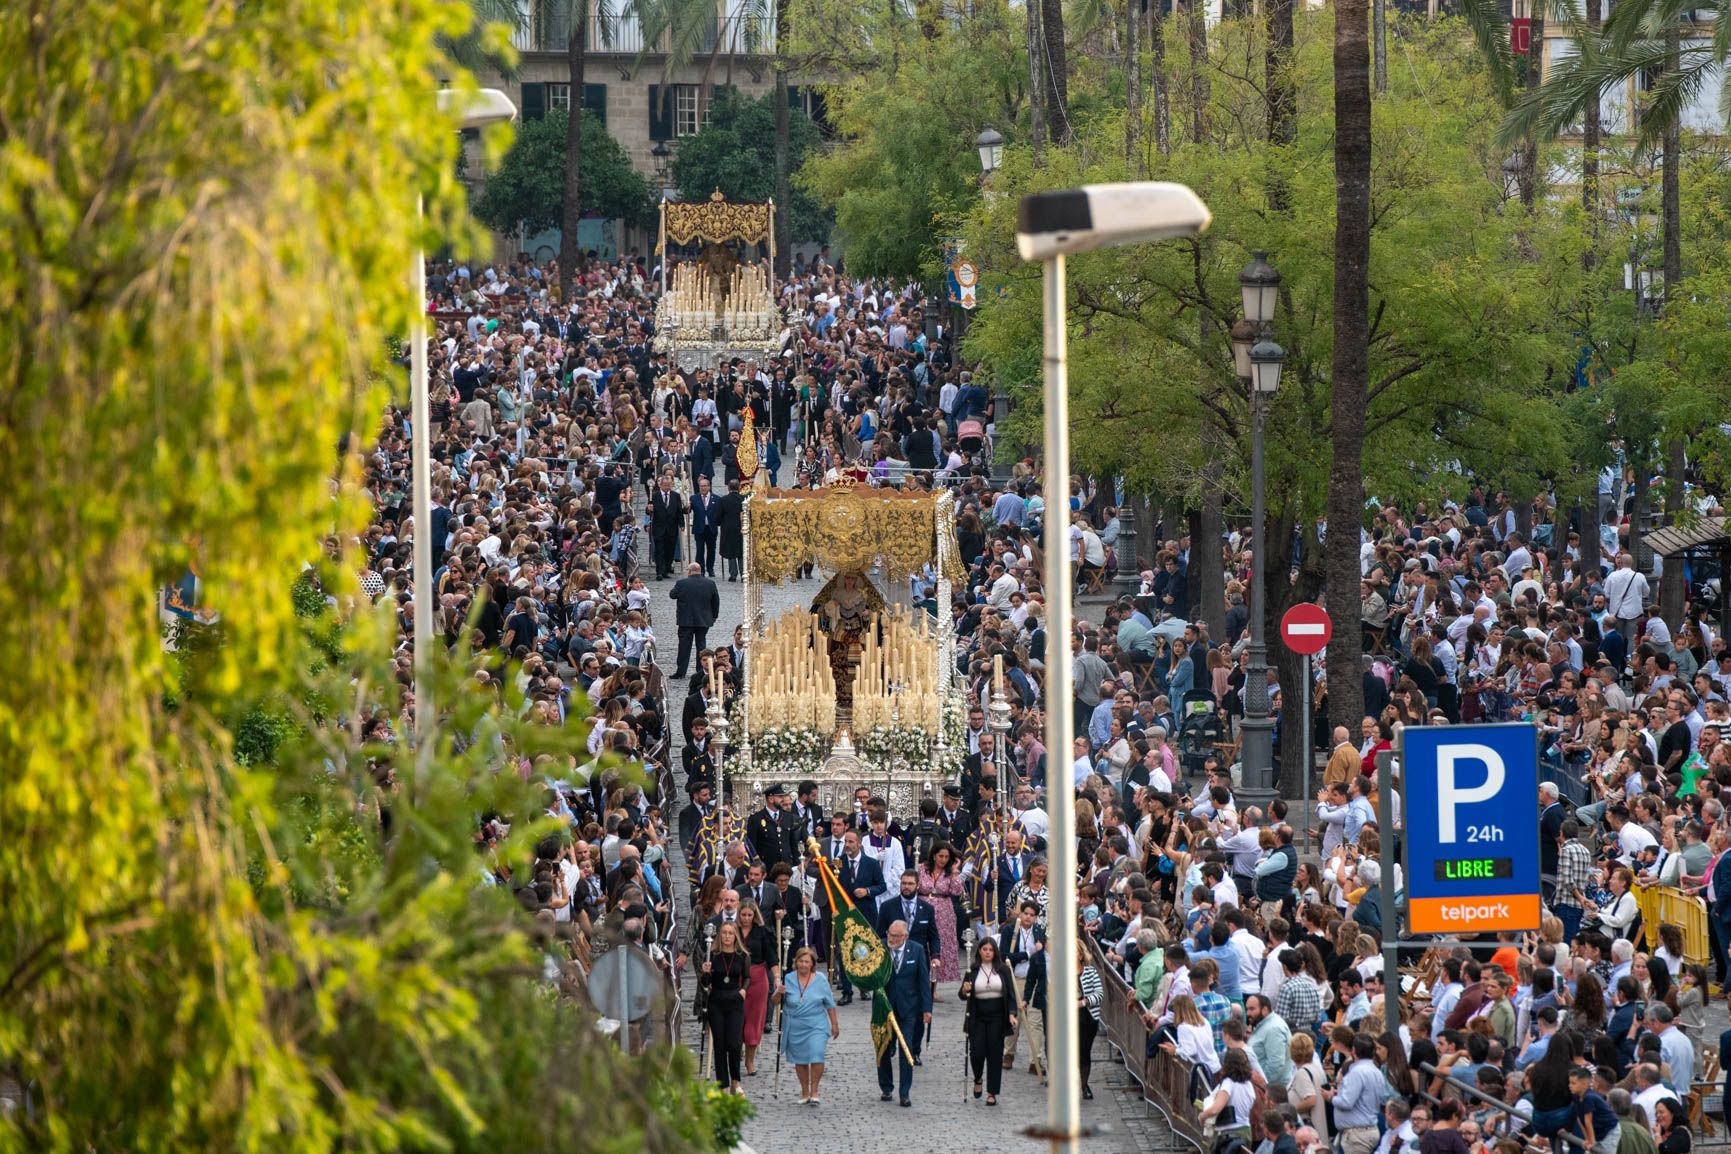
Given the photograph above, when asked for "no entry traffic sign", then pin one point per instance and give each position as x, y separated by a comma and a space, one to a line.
1305, 628
1470, 796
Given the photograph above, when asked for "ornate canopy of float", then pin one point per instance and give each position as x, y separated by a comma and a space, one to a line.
720, 303
857, 687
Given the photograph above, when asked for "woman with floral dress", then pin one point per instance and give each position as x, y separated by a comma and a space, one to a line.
940, 882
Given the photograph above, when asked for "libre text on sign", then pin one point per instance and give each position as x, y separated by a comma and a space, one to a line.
1471, 805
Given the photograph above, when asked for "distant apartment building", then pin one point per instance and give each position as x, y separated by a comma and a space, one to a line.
631, 91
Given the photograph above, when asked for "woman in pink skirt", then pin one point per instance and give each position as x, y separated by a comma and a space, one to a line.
940, 881
760, 945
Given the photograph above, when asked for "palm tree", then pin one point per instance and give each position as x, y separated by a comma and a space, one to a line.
1642, 38
1352, 111
679, 27
466, 50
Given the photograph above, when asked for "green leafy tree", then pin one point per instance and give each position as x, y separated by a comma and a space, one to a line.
735, 153
528, 190
205, 942
1462, 318
906, 169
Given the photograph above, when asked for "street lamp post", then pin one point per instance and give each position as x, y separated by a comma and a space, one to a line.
1258, 361
1050, 226
474, 109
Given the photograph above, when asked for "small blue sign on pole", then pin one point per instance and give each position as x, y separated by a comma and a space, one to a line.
1471, 809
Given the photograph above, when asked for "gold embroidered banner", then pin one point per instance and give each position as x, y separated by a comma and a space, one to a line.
717, 220
848, 529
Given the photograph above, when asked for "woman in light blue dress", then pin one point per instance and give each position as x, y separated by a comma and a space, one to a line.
806, 1001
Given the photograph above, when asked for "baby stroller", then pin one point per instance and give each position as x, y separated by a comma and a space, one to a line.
1199, 729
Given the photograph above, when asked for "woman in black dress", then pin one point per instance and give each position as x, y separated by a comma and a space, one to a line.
989, 989
725, 977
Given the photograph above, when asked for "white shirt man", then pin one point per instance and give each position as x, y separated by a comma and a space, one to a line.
1626, 590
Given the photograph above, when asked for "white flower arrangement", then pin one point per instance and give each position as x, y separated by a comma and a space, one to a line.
787, 751
883, 743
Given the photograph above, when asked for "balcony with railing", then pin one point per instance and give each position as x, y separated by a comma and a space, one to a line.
547, 28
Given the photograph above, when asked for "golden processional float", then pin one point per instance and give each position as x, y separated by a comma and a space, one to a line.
856, 688
719, 304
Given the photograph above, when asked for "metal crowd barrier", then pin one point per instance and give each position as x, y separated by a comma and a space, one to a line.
1164, 1078
1668, 905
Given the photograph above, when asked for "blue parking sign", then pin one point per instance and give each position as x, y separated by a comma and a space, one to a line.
1471, 809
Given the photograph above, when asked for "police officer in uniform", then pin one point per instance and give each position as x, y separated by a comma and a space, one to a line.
771, 831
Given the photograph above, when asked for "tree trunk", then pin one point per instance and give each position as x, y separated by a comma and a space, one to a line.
1283, 594
1676, 450
783, 178
1057, 71
1133, 85
1671, 581
1587, 516
1528, 180
1379, 32
1638, 511
1524, 518
1207, 563
1197, 30
1590, 129
1282, 100
1157, 76
1036, 88
571, 211
1352, 111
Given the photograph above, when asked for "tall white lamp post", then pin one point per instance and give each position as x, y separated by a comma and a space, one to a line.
1051, 226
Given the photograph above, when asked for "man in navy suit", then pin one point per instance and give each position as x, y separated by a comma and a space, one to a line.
910, 994
914, 912
863, 879
1011, 870
705, 526
1718, 895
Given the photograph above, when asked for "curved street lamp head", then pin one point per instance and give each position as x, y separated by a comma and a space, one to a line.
991, 146
1266, 359
477, 107
1260, 284
1244, 332
1051, 224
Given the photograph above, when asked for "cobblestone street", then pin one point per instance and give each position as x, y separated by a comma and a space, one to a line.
944, 1116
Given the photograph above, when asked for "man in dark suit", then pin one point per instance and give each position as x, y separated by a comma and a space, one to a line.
610, 488
702, 793
699, 761
807, 815
910, 995
666, 516
702, 460
1012, 868
912, 911
1718, 895
730, 519
441, 518
1023, 946
705, 527
699, 602
769, 831
979, 765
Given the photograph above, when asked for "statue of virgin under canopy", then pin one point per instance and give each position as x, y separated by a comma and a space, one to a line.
845, 607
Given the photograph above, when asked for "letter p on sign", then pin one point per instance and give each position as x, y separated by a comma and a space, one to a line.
1450, 795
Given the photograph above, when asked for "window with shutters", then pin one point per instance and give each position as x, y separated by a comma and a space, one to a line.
595, 101
686, 121
559, 96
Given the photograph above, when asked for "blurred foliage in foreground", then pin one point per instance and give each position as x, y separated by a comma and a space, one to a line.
205, 945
